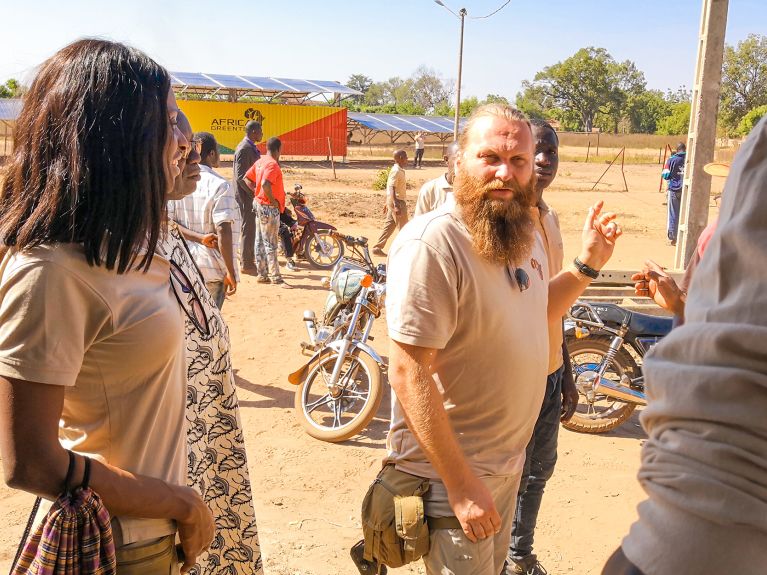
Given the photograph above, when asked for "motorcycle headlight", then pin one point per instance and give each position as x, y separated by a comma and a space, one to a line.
347, 284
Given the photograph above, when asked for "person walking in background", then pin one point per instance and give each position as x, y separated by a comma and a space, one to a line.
673, 173
214, 458
265, 179
396, 207
91, 334
245, 155
704, 460
468, 309
561, 397
419, 150
436, 192
211, 210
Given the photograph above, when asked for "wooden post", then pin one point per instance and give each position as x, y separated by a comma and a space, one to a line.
332, 163
597, 154
665, 155
696, 190
623, 172
587, 152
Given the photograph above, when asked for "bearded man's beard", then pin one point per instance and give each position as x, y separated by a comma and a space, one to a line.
501, 230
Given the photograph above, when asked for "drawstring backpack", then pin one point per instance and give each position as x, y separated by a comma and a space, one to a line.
74, 538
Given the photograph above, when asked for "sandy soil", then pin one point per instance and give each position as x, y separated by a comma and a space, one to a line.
307, 493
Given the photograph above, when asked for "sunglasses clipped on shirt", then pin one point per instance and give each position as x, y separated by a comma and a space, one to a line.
188, 298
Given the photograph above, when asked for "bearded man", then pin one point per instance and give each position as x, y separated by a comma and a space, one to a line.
468, 310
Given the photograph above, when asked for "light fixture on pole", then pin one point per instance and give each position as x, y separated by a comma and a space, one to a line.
462, 14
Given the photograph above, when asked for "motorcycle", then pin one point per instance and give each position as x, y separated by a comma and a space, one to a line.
311, 238
604, 342
339, 388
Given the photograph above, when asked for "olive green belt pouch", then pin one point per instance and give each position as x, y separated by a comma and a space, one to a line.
394, 524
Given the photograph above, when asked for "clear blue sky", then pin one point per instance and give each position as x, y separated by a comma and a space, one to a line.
380, 38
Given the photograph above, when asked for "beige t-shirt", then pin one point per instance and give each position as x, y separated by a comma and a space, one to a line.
116, 342
396, 182
489, 325
432, 195
547, 224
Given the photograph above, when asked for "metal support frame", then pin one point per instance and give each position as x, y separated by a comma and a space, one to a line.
696, 190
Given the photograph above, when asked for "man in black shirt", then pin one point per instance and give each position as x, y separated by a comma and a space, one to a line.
245, 156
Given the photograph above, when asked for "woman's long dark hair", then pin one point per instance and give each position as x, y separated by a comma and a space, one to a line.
89, 163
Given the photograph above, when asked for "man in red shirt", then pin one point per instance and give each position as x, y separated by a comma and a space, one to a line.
265, 179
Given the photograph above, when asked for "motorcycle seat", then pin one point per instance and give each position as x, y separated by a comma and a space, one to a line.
651, 325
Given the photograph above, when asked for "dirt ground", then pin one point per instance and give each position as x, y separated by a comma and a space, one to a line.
308, 493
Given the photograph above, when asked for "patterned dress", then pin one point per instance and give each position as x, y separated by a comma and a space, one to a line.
217, 465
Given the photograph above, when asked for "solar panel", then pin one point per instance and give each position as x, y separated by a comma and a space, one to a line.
10, 108
404, 123
228, 81
193, 79
335, 87
299, 85
267, 84
262, 83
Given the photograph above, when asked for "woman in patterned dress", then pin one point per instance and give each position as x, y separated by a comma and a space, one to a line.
217, 465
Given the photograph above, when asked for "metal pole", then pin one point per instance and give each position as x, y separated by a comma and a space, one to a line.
462, 12
696, 190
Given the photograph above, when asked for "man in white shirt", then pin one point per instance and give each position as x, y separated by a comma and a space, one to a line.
419, 150
436, 192
210, 218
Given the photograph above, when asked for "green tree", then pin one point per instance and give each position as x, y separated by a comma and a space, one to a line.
750, 120
429, 90
11, 89
496, 99
361, 83
744, 79
678, 122
588, 83
533, 101
646, 110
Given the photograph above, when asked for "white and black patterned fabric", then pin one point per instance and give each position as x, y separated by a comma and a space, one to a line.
217, 465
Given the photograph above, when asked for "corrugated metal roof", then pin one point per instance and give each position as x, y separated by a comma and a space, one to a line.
403, 123
10, 108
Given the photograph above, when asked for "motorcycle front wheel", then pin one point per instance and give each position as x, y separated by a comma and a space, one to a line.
603, 413
338, 414
323, 250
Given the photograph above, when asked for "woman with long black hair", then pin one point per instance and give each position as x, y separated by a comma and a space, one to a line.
91, 334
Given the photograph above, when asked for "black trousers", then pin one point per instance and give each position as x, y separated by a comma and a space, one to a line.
248, 228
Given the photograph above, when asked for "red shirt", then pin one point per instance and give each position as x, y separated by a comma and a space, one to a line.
267, 169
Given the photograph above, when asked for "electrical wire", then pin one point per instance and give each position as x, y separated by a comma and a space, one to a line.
493, 13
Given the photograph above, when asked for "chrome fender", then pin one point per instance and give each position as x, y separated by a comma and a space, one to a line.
299, 375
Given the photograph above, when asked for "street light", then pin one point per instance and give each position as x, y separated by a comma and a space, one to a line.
462, 13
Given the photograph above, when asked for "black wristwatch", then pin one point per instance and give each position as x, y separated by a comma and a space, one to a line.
588, 271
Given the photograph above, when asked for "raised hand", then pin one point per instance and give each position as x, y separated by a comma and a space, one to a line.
600, 231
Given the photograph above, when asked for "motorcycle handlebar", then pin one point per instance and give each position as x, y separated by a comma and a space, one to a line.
351, 240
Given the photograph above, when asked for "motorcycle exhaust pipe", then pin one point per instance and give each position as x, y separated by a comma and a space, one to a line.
310, 320
621, 392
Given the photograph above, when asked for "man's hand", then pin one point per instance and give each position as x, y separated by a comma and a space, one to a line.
654, 282
210, 241
474, 507
196, 529
569, 396
230, 284
600, 232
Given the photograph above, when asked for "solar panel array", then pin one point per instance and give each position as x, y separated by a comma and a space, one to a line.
10, 108
402, 123
260, 84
